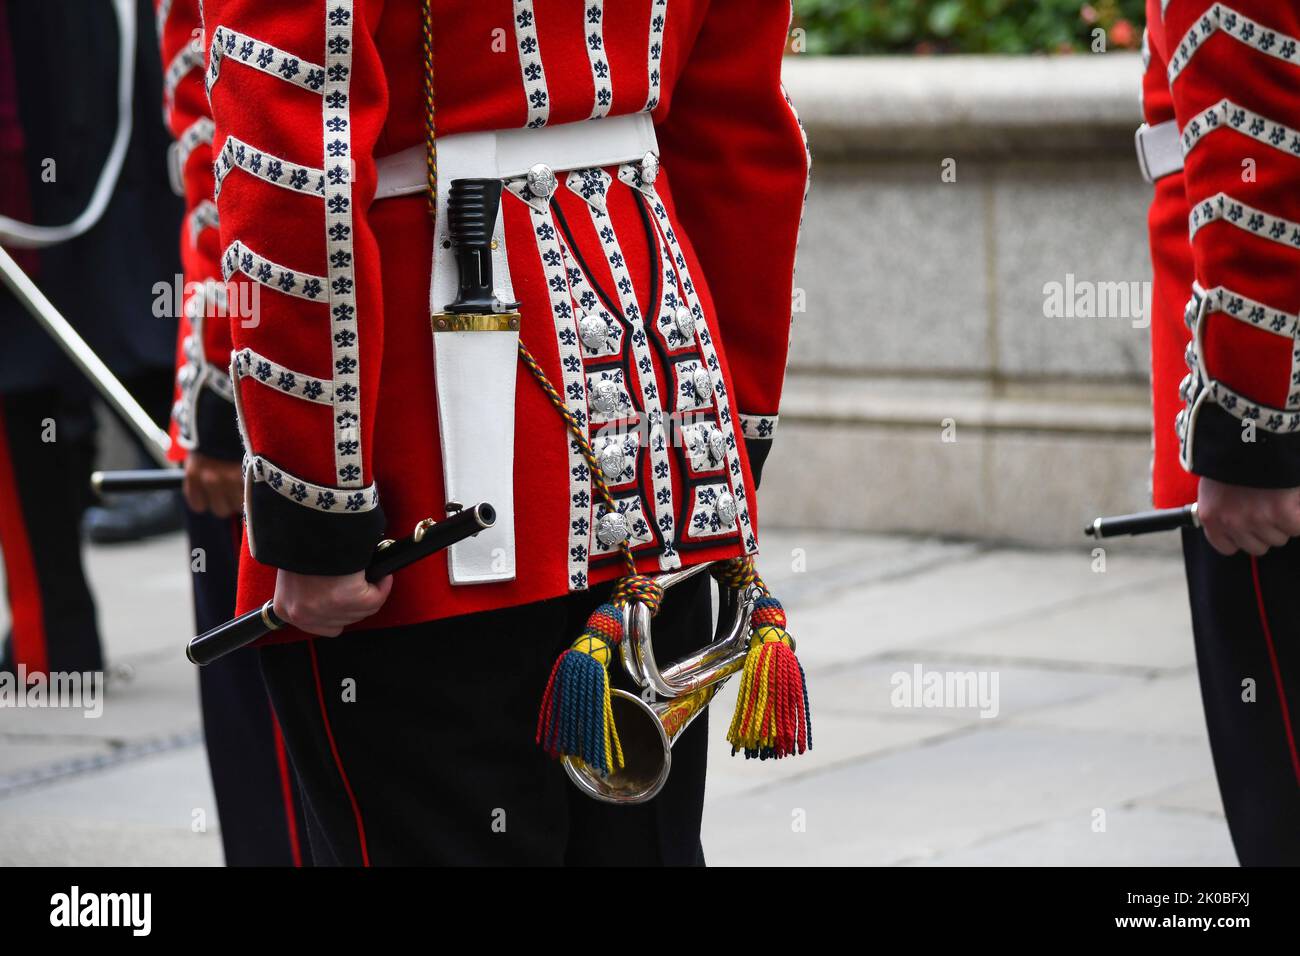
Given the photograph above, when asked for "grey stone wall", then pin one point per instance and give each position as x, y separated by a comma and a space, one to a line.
925, 299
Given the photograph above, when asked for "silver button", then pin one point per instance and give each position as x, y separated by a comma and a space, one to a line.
717, 445
702, 381
649, 168
1185, 388
685, 321
612, 459
726, 508
611, 529
593, 331
1180, 422
1189, 313
1189, 355
604, 397
541, 181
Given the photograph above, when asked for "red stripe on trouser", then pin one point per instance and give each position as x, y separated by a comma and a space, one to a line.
25, 606
286, 792
1277, 671
329, 734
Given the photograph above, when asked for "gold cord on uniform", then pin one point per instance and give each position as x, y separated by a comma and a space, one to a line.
430, 143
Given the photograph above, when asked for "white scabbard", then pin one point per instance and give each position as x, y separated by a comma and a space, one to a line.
475, 359
475, 373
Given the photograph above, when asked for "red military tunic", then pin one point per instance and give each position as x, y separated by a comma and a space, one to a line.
334, 374
1225, 366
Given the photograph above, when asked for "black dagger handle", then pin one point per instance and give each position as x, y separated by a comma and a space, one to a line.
1144, 522
144, 479
429, 538
472, 206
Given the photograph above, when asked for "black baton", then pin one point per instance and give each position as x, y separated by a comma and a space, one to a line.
144, 479
1144, 522
429, 538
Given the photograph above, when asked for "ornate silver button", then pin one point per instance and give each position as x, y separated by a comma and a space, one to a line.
726, 508
541, 181
1189, 355
685, 321
717, 445
612, 460
593, 331
702, 382
611, 529
604, 397
1185, 388
649, 168
1189, 313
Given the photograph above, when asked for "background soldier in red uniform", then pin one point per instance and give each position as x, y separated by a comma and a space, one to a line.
654, 178
1222, 143
255, 788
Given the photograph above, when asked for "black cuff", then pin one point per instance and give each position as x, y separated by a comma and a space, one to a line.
758, 449
288, 535
216, 428
1218, 452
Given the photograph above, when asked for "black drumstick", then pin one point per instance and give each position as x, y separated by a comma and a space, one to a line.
429, 538
1144, 522
143, 479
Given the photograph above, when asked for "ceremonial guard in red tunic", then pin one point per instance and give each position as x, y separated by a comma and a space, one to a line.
1222, 145
614, 402
258, 803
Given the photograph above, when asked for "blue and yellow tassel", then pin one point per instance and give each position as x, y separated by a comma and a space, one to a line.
576, 718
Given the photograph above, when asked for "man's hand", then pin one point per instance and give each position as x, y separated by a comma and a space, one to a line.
1238, 518
324, 605
213, 484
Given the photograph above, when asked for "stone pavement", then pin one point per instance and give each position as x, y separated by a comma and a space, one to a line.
1096, 755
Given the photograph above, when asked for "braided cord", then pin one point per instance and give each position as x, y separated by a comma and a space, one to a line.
430, 143
738, 574
584, 444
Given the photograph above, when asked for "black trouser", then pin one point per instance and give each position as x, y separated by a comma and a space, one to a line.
47, 451
1246, 618
257, 794
415, 745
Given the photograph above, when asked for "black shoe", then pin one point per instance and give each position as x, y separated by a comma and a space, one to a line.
134, 517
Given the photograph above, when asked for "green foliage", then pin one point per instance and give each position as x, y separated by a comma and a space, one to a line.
966, 26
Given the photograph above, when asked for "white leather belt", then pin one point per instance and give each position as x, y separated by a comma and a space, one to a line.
474, 371
1159, 150
510, 152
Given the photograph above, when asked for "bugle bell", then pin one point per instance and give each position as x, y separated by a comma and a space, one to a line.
648, 729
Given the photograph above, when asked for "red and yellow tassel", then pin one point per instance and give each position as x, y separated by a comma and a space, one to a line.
773, 718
